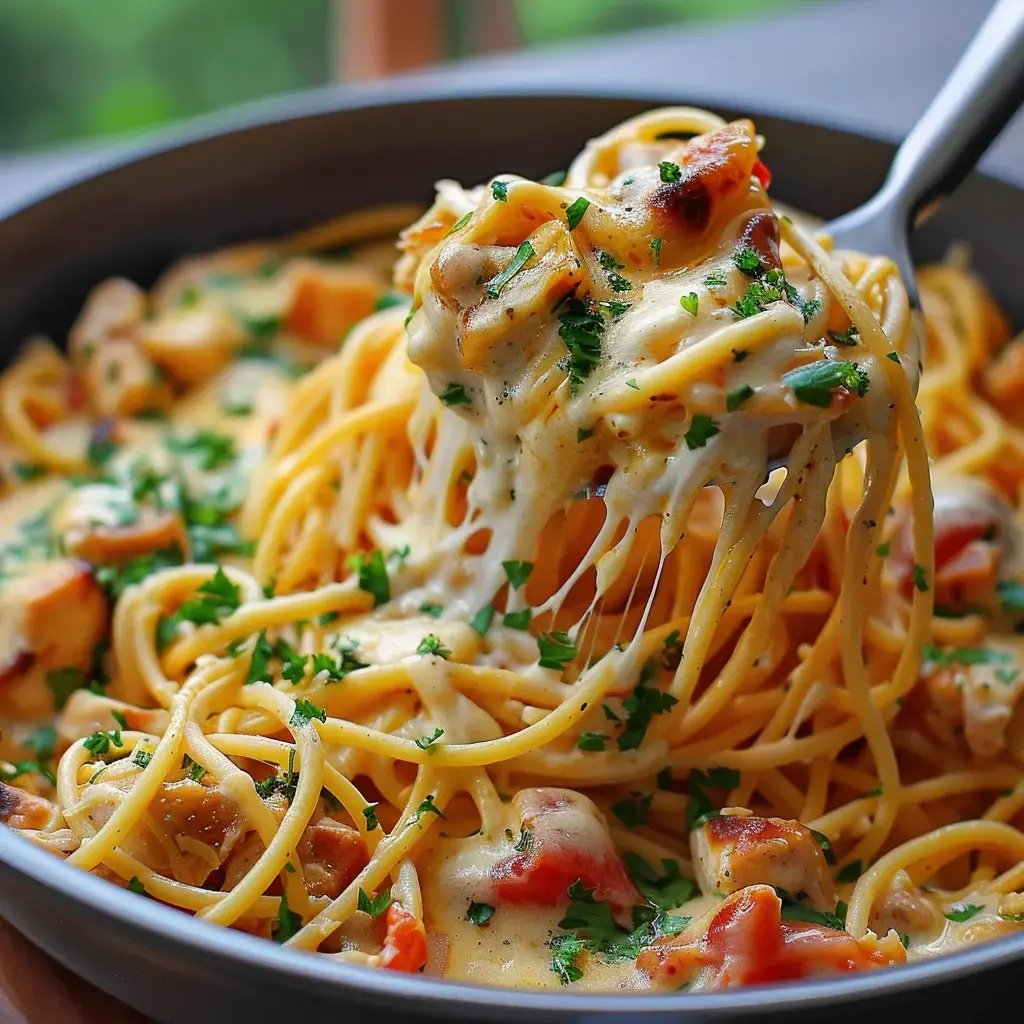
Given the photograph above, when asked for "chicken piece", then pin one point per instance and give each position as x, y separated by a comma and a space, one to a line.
102, 525
116, 375
193, 343
19, 809
744, 941
331, 854
735, 849
906, 910
50, 618
977, 543
405, 944
978, 688
328, 300
563, 839
87, 712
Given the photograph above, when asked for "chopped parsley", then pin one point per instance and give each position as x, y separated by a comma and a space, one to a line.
734, 399
391, 300
370, 814
575, 211
669, 172
702, 429
632, 811
431, 646
99, 742
42, 742
261, 654
794, 910
375, 906
920, 577
479, 913
424, 742
716, 279
664, 778
434, 611
305, 711
427, 807
666, 891
492, 289
564, 950
944, 657
631, 383
461, 223
689, 302
135, 885
481, 621
581, 329
894, 356
293, 664
640, 707
826, 845
591, 741
700, 807
499, 189
142, 758
211, 450
848, 338
748, 260
19, 768
373, 576
517, 620
217, 597
525, 840
288, 923
28, 471
656, 249
517, 573
962, 911
851, 872
610, 266
554, 179
815, 383
583, 435
455, 394
556, 650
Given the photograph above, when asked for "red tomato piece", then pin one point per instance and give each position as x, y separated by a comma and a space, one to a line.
762, 174
405, 944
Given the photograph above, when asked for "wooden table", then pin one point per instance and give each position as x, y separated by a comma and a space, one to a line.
36, 990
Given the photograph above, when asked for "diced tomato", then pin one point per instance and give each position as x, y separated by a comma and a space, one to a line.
762, 174
568, 841
744, 941
405, 945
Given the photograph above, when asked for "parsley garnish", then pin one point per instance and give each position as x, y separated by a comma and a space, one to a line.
666, 891
669, 172
427, 807
656, 249
376, 906
581, 329
826, 845
288, 923
748, 260
479, 913
525, 840
142, 758
554, 179
794, 910
305, 711
716, 279
99, 742
689, 302
327, 618
218, 597
461, 223
583, 435
574, 212
293, 664
431, 646
702, 429
211, 449
63, 682
261, 654
135, 885
564, 950
962, 911
920, 577
631, 383
455, 394
424, 742
42, 741
481, 622
734, 399
517, 573
641, 706
373, 576
435, 611
591, 741
370, 814
492, 289
664, 778
964, 656
517, 620
28, 471
632, 811
499, 189
700, 806
815, 383
556, 650
851, 872
848, 338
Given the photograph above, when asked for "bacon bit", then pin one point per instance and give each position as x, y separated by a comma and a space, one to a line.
744, 941
569, 841
405, 944
762, 174
332, 854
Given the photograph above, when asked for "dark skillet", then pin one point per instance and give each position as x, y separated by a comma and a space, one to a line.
289, 165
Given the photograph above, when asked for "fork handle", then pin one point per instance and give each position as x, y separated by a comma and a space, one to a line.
981, 94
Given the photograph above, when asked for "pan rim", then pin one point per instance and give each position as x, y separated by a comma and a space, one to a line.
188, 937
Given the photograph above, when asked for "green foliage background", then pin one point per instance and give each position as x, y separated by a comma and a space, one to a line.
76, 68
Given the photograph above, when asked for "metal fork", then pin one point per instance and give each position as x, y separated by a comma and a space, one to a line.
982, 93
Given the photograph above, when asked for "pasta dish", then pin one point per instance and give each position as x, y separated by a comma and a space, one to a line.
556, 600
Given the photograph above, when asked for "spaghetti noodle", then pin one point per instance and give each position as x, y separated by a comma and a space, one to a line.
580, 619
